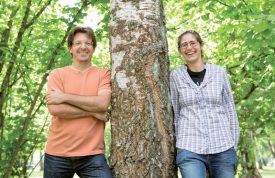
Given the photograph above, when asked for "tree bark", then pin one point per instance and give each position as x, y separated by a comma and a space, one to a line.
247, 152
141, 118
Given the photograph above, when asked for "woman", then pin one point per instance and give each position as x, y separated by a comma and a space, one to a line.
206, 123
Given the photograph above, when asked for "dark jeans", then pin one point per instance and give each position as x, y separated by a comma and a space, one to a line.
84, 166
220, 165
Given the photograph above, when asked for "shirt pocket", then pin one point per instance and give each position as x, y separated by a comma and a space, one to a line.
187, 95
213, 93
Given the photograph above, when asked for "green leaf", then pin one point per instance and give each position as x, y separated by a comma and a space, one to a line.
263, 25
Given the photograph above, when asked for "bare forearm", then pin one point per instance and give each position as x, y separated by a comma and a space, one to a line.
67, 111
88, 103
97, 103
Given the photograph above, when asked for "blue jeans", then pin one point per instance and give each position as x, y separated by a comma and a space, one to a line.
219, 165
84, 166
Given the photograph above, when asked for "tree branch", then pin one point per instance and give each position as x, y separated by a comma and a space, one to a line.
247, 6
38, 14
252, 89
5, 36
223, 3
30, 115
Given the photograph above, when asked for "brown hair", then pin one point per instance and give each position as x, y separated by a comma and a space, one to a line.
87, 30
195, 34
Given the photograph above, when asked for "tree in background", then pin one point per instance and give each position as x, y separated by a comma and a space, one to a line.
240, 36
33, 36
141, 117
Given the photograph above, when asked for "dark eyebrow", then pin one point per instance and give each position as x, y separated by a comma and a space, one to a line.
189, 41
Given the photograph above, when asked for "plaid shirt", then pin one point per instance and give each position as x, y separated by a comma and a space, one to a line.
206, 121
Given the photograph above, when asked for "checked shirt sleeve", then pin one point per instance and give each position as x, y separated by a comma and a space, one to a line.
231, 110
174, 97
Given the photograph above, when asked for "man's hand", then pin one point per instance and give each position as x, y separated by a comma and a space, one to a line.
55, 97
104, 116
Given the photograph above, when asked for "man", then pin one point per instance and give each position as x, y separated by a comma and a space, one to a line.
78, 97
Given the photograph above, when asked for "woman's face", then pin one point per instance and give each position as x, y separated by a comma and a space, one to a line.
190, 48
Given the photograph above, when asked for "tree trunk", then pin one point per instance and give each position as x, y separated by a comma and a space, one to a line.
30, 112
41, 162
5, 38
247, 151
141, 119
272, 148
250, 170
260, 163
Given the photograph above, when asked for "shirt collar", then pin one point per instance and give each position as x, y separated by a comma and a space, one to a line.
207, 76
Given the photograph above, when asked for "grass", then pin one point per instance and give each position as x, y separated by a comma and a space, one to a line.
268, 172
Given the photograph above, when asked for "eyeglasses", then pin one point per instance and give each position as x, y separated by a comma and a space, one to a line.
191, 43
78, 44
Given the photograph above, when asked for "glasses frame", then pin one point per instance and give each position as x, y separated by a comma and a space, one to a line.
186, 44
78, 44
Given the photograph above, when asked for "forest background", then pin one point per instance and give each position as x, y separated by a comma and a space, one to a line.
238, 35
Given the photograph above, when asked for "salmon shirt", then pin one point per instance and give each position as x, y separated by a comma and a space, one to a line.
80, 136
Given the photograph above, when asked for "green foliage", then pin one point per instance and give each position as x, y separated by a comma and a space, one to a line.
25, 63
238, 35
107, 137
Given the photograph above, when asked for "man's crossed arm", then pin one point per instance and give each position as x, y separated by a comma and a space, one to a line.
72, 106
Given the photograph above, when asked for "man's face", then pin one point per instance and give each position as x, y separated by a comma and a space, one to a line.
82, 49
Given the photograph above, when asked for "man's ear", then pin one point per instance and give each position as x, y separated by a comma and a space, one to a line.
69, 49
